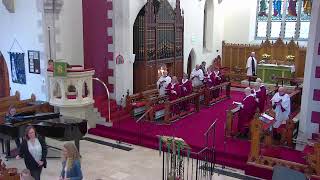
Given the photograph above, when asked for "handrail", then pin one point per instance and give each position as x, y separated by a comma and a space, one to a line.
144, 114
108, 94
212, 125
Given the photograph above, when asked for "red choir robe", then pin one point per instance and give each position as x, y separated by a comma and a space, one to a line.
207, 80
261, 95
247, 111
216, 79
186, 89
173, 91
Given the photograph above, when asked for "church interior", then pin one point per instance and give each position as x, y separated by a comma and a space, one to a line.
159, 89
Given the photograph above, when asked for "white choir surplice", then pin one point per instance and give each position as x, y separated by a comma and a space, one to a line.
162, 84
249, 65
281, 116
196, 77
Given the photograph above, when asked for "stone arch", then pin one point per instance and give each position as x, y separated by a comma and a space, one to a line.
191, 61
208, 25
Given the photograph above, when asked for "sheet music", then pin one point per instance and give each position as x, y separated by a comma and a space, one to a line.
237, 103
266, 118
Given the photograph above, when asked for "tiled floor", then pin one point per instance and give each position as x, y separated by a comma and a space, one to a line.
100, 162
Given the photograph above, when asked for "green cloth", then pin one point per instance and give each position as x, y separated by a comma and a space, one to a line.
60, 69
267, 73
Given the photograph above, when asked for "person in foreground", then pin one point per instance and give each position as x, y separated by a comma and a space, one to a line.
10, 116
71, 166
26, 175
34, 151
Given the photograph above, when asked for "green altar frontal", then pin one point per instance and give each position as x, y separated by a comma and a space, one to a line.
267, 72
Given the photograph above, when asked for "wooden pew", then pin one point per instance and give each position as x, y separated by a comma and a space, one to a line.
15, 97
232, 113
16, 103
28, 105
136, 103
311, 168
156, 107
171, 114
208, 93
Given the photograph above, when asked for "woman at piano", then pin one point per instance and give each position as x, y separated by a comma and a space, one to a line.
71, 166
34, 151
9, 117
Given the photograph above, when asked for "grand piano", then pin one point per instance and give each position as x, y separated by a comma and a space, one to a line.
50, 125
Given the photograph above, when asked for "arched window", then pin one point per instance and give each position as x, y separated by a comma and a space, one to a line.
283, 18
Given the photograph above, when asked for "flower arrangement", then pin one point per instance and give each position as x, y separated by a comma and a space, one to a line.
290, 57
266, 56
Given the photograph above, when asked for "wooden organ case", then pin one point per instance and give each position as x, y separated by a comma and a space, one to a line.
157, 41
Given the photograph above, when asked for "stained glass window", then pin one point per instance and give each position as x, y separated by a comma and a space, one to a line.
283, 18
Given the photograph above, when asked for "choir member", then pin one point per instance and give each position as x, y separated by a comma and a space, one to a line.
216, 79
173, 89
217, 62
186, 86
261, 94
281, 105
248, 108
186, 89
207, 78
197, 76
163, 82
216, 76
203, 67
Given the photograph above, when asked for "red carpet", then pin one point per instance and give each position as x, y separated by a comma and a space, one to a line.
229, 152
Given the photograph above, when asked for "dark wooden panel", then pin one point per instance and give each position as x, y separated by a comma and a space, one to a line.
4, 78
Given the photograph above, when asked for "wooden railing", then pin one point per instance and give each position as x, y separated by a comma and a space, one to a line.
173, 110
209, 93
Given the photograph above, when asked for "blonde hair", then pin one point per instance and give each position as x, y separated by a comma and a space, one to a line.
72, 153
26, 175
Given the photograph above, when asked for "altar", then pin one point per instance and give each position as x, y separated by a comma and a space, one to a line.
268, 72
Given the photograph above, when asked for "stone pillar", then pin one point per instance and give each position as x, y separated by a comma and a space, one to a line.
310, 105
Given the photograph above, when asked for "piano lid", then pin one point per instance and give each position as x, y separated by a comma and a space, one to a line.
64, 120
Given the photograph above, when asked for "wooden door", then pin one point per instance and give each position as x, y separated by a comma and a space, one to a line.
4, 78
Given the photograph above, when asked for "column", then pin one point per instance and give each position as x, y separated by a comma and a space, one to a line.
310, 105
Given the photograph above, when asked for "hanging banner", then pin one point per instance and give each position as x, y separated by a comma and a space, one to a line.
60, 69
18, 73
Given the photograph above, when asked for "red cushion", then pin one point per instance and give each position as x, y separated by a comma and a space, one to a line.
139, 104
71, 96
158, 107
281, 128
308, 150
